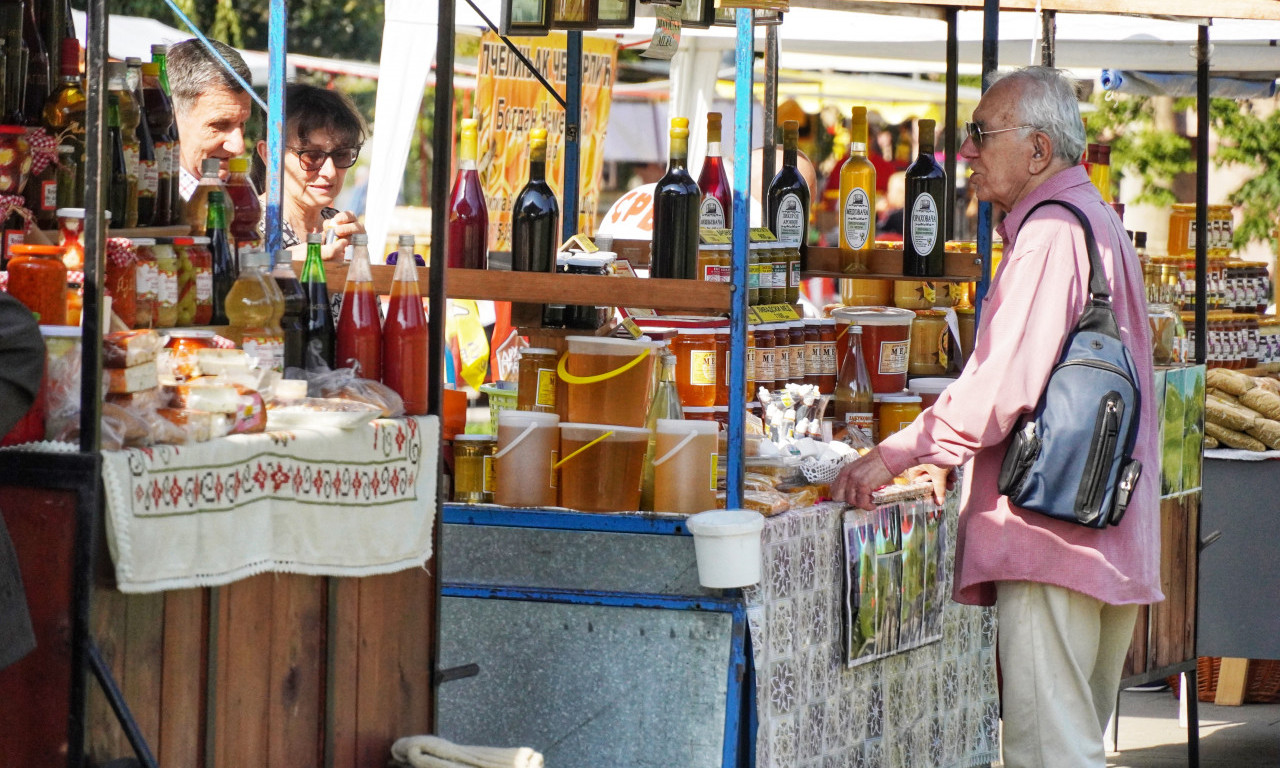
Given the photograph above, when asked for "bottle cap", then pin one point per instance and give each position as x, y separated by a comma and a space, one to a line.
538, 135
116, 70
679, 127
133, 61
238, 164
254, 258
283, 256
150, 68
360, 238
468, 124
713, 119
315, 237
210, 166
159, 48
405, 241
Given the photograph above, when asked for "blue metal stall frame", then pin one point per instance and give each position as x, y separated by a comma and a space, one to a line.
738, 747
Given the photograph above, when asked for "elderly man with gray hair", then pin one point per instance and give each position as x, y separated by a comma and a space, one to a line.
1066, 596
210, 107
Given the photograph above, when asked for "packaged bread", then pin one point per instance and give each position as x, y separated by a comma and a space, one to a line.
1230, 416
1268, 432
217, 398
132, 379
143, 399
1210, 442
125, 349
1229, 381
121, 428
1211, 392
251, 412
1267, 383
1232, 438
1264, 402
198, 424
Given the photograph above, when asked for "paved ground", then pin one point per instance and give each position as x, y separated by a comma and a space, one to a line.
1230, 737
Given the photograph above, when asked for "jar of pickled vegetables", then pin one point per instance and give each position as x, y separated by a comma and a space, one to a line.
38, 278
122, 279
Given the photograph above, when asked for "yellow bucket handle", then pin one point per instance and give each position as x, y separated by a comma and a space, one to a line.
605, 436
570, 378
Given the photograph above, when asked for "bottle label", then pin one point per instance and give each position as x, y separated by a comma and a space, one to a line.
924, 223
148, 177
711, 273
756, 275
857, 218
146, 277
13, 237
702, 368
813, 358
789, 225
162, 158
168, 289
711, 215
751, 363
861, 422
489, 484
546, 395
263, 346
827, 354
799, 365
49, 195
204, 285
794, 266
893, 357
765, 365
782, 364
715, 468
555, 457
131, 161
780, 275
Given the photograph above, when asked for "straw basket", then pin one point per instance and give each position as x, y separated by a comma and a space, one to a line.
1261, 687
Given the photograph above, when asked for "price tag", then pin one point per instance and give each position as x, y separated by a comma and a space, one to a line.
579, 242
776, 313
716, 236
753, 317
761, 235
622, 268
632, 328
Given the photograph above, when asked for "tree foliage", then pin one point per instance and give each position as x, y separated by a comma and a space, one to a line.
1128, 125
1253, 141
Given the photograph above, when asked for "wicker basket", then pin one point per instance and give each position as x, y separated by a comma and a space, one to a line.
1261, 687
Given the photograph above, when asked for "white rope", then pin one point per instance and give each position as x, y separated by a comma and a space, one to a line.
674, 451
435, 752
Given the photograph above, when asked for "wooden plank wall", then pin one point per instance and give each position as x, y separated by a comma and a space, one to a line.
276, 670
1165, 632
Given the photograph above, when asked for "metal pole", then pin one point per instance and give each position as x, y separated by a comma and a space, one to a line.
952, 118
1202, 190
1048, 37
769, 155
744, 60
572, 130
276, 48
441, 147
990, 60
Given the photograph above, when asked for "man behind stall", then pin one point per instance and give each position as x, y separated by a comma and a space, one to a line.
210, 107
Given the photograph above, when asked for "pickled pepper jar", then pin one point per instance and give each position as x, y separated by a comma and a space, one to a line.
38, 278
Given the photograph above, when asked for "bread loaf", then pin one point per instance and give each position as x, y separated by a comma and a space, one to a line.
1268, 432
131, 379
1211, 392
1265, 403
1210, 442
1227, 415
123, 349
1232, 438
1267, 383
1232, 382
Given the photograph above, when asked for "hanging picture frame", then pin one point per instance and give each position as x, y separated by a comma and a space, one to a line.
728, 17
616, 14
574, 14
697, 14
525, 17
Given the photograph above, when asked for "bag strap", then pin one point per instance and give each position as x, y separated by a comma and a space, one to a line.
1098, 290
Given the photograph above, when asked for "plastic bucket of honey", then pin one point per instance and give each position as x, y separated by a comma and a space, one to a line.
886, 343
684, 465
528, 448
600, 466
609, 380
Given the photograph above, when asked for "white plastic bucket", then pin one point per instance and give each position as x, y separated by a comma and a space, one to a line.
684, 466
727, 545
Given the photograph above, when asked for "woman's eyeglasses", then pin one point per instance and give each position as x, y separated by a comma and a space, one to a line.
977, 133
313, 159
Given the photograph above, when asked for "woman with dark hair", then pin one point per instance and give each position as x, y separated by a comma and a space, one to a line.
323, 134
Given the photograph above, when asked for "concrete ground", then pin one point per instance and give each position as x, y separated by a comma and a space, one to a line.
1247, 736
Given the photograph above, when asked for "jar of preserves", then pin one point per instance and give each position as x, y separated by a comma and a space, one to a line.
766, 369
861, 292
537, 380
186, 281
793, 274
930, 353
38, 278
913, 294
122, 279
473, 478
71, 236
695, 351
582, 317
1167, 334
812, 357
1182, 234
751, 364
201, 259
756, 282
1269, 343
1249, 323
895, 412
886, 341
827, 354
713, 263
146, 277
183, 352
166, 306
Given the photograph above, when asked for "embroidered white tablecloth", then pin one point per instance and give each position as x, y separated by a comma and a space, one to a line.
935, 706
321, 501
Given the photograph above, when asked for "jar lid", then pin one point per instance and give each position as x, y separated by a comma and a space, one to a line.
812, 321
827, 320
930, 312
62, 331
696, 331
143, 242
190, 334
12, 129
795, 324
182, 241
715, 247
201, 240
585, 260
70, 213
32, 249
474, 438
900, 398
874, 315
537, 351
700, 408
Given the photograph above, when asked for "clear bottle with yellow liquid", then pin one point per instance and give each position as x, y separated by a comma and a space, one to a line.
854, 400
857, 200
252, 311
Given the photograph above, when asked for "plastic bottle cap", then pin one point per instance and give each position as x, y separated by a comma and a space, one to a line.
360, 238
210, 166
313, 237
238, 164
405, 240
150, 67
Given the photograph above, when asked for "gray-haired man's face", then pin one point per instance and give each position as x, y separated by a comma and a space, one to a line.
213, 127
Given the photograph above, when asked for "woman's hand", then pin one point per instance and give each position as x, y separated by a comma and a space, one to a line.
858, 480
343, 226
941, 477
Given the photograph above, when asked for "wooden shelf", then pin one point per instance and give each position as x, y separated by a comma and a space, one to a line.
179, 230
541, 287
886, 264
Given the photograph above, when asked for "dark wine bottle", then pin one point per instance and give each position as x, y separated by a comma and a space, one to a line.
789, 196
293, 323
717, 199
535, 216
225, 270
924, 217
118, 181
676, 204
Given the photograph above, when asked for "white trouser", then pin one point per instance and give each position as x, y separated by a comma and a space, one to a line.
1061, 654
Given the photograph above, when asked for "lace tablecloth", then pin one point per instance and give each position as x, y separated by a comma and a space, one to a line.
323, 502
935, 706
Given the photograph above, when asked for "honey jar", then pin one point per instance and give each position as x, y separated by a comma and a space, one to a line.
473, 468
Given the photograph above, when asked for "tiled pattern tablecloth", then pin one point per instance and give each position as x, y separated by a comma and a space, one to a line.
932, 707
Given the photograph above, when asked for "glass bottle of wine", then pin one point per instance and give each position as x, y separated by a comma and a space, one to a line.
857, 200
717, 199
118, 186
789, 195
676, 201
468, 212
924, 241
535, 215
319, 320
225, 268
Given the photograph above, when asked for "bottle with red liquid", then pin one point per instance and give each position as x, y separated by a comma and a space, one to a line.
468, 213
404, 335
244, 202
359, 342
716, 211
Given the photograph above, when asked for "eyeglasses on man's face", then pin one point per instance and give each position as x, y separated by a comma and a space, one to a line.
313, 159
977, 134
